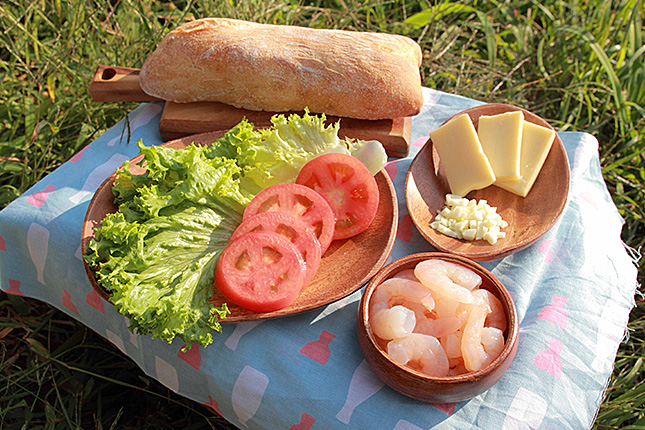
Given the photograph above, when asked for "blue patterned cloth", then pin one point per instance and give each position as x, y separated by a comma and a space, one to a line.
574, 289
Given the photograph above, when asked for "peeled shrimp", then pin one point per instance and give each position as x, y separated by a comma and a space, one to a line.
492, 341
452, 344
437, 320
445, 306
456, 366
406, 274
497, 317
421, 312
448, 279
419, 352
389, 294
473, 352
438, 327
393, 323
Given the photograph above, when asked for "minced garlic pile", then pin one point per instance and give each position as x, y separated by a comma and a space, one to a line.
466, 219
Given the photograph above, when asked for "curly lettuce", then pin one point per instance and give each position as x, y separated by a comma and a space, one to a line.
275, 155
156, 255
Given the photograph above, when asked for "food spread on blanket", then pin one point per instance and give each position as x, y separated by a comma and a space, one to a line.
156, 255
436, 319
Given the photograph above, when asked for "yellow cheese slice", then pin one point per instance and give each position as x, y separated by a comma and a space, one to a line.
501, 137
536, 144
462, 157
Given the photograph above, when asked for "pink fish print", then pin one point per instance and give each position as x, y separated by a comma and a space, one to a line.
14, 288
95, 300
448, 408
318, 350
192, 356
420, 142
555, 312
549, 360
78, 155
213, 405
405, 230
391, 169
545, 248
306, 421
67, 301
589, 198
38, 198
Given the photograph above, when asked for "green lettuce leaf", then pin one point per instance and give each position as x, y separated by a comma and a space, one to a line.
156, 255
275, 155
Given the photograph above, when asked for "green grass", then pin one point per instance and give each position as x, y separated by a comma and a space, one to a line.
577, 64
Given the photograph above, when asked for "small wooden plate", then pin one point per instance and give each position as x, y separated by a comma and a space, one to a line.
416, 384
528, 217
346, 266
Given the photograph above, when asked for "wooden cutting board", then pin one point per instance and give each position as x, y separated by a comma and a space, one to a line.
121, 84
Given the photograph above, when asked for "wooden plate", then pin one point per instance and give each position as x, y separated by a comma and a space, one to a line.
528, 217
346, 266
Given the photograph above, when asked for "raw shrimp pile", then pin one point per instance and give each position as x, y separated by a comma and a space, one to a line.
437, 320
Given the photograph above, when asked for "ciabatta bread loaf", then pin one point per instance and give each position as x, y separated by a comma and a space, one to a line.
279, 68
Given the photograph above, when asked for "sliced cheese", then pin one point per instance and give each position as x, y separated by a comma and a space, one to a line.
536, 144
462, 157
501, 137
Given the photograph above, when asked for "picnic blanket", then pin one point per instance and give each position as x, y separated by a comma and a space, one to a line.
573, 288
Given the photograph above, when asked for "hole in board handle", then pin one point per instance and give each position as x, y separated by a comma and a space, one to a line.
108, 74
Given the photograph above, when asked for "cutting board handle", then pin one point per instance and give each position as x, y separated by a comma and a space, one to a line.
117, 84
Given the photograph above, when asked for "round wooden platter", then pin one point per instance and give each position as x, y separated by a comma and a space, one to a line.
528, 217
345, 267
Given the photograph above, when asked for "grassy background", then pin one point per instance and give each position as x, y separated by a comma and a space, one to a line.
577, 64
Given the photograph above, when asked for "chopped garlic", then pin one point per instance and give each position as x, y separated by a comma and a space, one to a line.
462, 218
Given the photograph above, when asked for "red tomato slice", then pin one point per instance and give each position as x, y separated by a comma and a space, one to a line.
349, 188
290, 227
301, 202
260, 271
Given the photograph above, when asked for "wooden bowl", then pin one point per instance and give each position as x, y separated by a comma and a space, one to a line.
345, 267
418, 385
528, 217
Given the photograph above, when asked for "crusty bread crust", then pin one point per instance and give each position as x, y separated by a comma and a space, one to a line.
279, 68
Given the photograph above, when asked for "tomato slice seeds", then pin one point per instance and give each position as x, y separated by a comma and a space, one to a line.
277, 249
290, 227
260, 271
349, 188
300, 201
